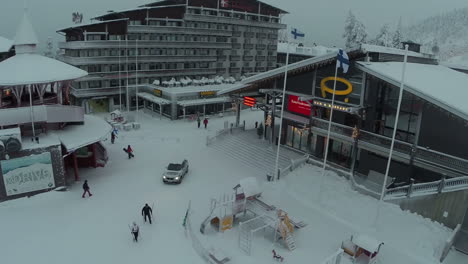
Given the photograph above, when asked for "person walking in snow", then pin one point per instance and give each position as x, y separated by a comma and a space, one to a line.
113, 136
129, 151
135, 230
147, 212
198, 121
205, 122
86, 189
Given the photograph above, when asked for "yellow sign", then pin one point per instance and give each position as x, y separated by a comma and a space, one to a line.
207, 93
325, 89
157, 92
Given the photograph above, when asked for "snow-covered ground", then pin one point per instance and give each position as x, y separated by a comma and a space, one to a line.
62, 227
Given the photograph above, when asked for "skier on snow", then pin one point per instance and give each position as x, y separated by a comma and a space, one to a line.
147, 212
86, 189
135, 230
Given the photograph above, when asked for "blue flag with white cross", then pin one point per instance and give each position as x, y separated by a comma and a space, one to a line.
342, 61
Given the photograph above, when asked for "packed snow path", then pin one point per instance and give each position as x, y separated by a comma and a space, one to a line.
62, 227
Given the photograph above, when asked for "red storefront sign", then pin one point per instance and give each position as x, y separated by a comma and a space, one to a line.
297, 106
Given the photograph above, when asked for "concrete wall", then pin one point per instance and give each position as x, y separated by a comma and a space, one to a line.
434, 207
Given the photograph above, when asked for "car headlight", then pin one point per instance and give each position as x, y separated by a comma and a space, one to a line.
164, 176
177, 178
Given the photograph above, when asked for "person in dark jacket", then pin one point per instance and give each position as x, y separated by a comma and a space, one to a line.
147, 212
113, 137
205, 122
86, 189
198, 121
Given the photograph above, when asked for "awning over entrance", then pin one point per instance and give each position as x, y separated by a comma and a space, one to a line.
74, 137
217, 100
296, 118
154, 99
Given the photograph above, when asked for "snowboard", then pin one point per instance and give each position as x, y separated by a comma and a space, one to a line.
131, 154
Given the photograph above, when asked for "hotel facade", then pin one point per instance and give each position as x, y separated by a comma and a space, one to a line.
169, 39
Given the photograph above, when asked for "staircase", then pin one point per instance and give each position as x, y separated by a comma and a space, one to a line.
246, 147
290, 242
245, 240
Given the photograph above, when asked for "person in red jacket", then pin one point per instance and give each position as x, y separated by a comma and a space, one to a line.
129, 151
205, 122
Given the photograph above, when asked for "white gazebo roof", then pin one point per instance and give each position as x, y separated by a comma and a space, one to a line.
25, 34
27, 67
24, 69
5, 44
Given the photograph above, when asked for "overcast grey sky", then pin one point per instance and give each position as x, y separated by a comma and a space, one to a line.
321, 20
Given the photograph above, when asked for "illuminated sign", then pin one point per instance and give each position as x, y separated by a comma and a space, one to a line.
157, 92
207, 94
249, 101
335, 107
325, 89
297, 106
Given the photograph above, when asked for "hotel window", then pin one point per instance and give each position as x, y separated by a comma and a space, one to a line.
135, 22
114, 67
92, 37
114, 83
94, 84
203, 65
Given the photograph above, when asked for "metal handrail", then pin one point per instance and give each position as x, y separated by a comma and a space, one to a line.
421, 154
440, 186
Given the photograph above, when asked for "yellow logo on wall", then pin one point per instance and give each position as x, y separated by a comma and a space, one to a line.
325, 89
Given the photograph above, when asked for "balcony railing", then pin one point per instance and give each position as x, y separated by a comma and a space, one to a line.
421, 154
141, 59
180, 30
420, 189
228, 20
142, 44
41, 113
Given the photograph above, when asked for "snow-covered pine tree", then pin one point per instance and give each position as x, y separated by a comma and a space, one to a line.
397, 36
348, 34
354, 32
384, 37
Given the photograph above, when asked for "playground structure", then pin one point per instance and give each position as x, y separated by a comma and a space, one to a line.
245, 201
362, 249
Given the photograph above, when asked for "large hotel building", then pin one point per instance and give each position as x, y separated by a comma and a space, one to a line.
170, 39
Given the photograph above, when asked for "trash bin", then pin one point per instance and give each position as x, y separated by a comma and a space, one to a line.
269, 177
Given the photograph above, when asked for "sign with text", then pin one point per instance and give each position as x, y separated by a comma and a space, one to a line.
157, 92
297, 106
28, 174
206, 94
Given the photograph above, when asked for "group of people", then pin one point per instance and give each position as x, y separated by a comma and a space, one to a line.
147, 213
205, 121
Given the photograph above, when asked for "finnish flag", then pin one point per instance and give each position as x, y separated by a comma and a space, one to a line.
296, 34
342, 61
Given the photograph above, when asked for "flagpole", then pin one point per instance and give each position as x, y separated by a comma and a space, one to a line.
328, 134
282, 112
120, 78
395, 127
136, 77
126, 55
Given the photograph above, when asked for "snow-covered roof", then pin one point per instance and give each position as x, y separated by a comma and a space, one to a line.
279, 71
77, 136
306, 51
5, 44
23, 69
388, 50
154, 99
366, 242
196, 88
25, 34
204, 101
458, 62
437, 84
91, 23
